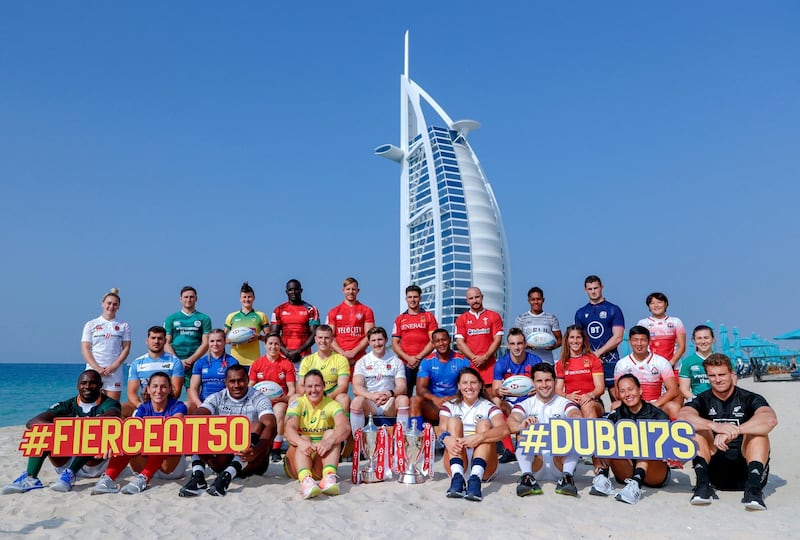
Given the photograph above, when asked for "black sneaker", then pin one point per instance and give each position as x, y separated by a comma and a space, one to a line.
195, 486
507, 457
528, 486
220, 485
566, 486
275, 455
474, 489
754, 499
457, 488
703, 495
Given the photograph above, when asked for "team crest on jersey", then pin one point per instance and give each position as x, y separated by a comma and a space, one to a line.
281, 375
486, 320
197, 324
479, 417
737, 411
359, 316
388, 366
175, 324
603, 315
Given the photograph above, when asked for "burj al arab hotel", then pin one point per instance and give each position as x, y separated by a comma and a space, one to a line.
451, 232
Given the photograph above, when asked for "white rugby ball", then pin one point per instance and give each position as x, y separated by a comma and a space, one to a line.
518, 385
241, 335
269, 388
540, 340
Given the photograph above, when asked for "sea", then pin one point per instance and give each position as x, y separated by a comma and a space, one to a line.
28, 389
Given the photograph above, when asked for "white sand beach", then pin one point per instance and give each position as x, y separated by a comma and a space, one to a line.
271, 506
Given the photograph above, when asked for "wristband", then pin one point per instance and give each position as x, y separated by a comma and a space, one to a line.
442, 436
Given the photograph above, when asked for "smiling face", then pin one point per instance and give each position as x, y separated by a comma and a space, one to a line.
294, 292
236, 383
412, 300
639, 344
159, 388
323, 339
441, 343
536, 301
475, 299
469, 386
575, 342
89, 384
216, 343
516, 346
658, 308
273, 347
545, 385
350, 292
703, 341
110, 305
315, 388
630, 393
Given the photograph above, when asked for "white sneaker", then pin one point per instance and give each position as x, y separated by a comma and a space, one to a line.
309, 488
137, 484
23, 484
64, 482
104, 485
93, 471
631, 493
602, 486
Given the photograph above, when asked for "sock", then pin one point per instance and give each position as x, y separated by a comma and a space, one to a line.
328, 469
755, 470
356, 419
35, 464
525, 462
235, 467
456, 466
151, 467
302, 474
197, 464
77, 463
116, 465
478, 467
570, 463
417, 421
402, 416
508, 444
276, 444
638, 476
701, 470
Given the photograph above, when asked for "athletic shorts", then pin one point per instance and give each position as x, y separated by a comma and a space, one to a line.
731, 474
608, 373
487, 374
113, 382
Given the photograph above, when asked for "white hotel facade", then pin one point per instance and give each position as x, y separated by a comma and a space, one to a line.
451, 232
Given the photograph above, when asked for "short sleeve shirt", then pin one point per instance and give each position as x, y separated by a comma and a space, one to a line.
144, 366
280, 371
442, 375
651, 372
647, 412
186, 332
247, 353
692, 368
73, 407
253, 405
478, 330
557, 407
414, 331
505, 368
173, 407
598, 320
106, 338
380, 373
212, 373
578, 377
314, 422
295, 322
483, 409
543, 322
349, 323
331, 367
663, 334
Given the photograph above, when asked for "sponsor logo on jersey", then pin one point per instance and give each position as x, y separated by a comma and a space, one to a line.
478, 331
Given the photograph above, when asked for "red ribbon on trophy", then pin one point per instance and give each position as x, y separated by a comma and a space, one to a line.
354, 475
399, 448
427, 465
381, 451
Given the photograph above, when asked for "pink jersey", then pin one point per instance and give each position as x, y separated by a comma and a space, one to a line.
651, 372
663, 333
349, 322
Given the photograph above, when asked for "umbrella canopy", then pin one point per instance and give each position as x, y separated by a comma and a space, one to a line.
795, 334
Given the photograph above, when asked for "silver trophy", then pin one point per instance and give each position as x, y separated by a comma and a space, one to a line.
414, 443
369, 443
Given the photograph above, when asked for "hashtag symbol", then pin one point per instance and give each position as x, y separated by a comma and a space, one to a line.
534, 439
36, 440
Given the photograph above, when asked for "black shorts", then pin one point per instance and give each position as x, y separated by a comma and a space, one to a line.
728, 474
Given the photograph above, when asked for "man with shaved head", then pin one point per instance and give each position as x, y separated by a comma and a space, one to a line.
479, 333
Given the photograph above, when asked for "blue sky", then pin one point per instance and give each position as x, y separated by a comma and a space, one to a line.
150, 145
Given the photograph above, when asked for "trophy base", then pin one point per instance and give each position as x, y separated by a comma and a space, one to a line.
369, 476
415, 477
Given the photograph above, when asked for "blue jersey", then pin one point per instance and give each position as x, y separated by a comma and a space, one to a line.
173, 407
145, 366
442, 375
505, 368
598, 320
212, 373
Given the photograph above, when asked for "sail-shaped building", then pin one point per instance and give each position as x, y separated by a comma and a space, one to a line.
451, 232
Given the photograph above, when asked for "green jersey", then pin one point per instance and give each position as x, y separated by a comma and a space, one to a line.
187, 331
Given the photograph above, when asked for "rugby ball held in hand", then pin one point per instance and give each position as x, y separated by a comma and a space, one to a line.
241, 335
540, 340
271, 389
518, 385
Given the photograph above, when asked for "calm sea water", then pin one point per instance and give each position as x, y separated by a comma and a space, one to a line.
28, 389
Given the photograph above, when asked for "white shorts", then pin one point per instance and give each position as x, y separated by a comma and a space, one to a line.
113, 382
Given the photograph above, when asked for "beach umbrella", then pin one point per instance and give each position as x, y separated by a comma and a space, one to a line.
795, 334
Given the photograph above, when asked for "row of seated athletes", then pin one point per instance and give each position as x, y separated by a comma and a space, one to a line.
479, 331
732, 430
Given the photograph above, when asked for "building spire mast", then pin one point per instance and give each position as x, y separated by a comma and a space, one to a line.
406, 74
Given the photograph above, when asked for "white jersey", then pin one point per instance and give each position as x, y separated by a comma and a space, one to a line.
379, 373
106, 338
557, 407
483, 409
253, 405
651, 373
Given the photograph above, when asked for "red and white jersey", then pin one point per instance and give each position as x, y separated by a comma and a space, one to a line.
651, 372
663, 333
349, 322
295, 321
470, 415
106, 338
380, 373
414, 331
479, 330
